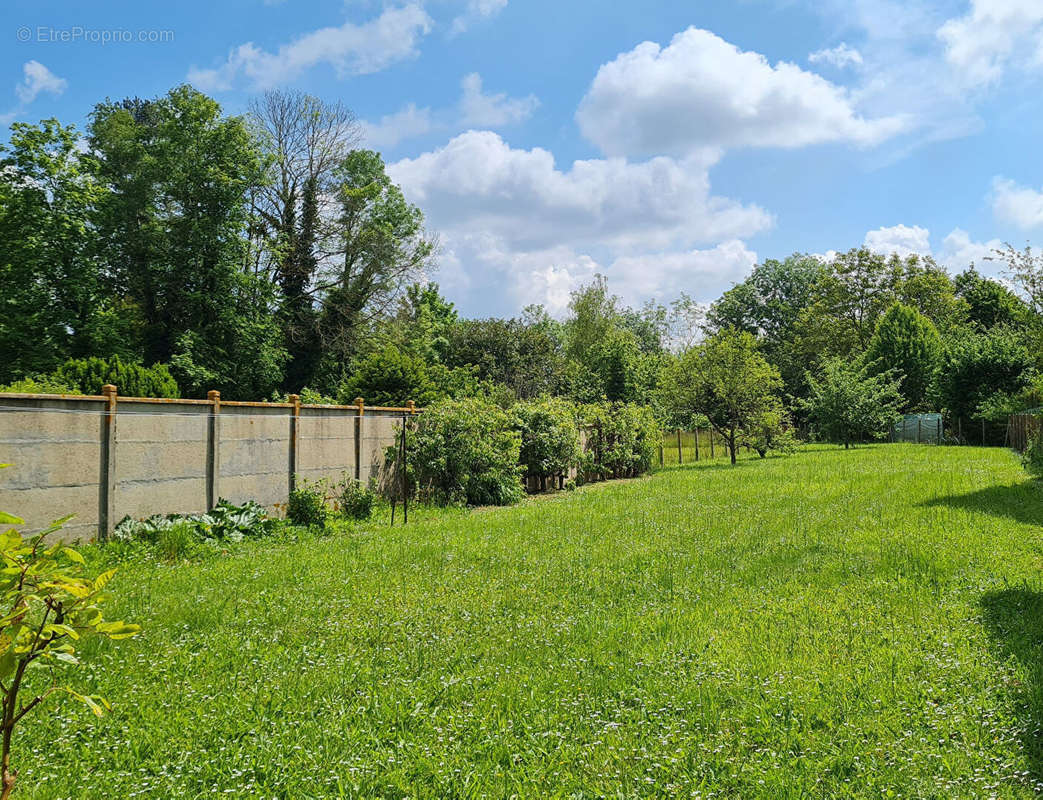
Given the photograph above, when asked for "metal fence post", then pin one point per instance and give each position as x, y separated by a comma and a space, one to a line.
295, 439
213, 449
107, 478
360, 406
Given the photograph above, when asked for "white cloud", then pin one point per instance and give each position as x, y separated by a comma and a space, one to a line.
1020, 206
905, 240
703, 92
37, 78
476, 11
959, 251
474, 109
406, 123
350, 49
841, 56
990, 35
492, 110
479, 182
514, 218
703, 273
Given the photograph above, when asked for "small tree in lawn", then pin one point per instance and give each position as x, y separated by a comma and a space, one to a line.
48, 607
847, 403
726, 379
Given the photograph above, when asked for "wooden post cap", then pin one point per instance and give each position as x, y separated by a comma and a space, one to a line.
213, 395
108, 389
295, 399
411, 406
361, 405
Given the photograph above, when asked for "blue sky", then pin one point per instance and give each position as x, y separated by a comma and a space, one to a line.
667, 145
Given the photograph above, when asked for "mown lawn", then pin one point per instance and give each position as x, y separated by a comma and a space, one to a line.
832, 624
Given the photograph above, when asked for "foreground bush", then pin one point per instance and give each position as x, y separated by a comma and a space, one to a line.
308, 506
550, 442
50, 608
465, 451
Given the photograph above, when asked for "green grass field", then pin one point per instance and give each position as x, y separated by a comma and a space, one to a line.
831, 624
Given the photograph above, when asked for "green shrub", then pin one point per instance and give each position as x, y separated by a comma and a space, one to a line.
39, 384
1032, 458
622, 439
549, 436
465, 451
308, 506
356, 499
88, 375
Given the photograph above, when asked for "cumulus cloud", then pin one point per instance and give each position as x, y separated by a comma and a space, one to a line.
492, 110
991, 34
841, 56
706, 273
36, 78
959, 251
703, 92
406, 123
514, 217
476, 11
475, 109
350, 49
477, 180
1020, 206
905, 240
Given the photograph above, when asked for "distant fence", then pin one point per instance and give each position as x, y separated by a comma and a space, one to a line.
105, 457
685, 447
1021, 427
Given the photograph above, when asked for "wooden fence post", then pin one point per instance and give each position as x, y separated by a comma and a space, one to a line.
712, 456
661, 460
360, 405
919, 420
939, 439
295, 438
107, 478
213, 450
696, 442
680, 459
983, 431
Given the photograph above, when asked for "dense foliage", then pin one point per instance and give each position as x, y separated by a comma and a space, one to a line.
266, 254
466, 451
550, 442
848, 403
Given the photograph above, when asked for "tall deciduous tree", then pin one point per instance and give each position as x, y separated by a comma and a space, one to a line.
307, 141
726, 379
53, 299
906, 343
173, 226
379, 247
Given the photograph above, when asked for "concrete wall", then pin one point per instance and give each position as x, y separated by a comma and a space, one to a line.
165, 455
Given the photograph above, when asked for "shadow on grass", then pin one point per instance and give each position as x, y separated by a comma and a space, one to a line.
1014, 622
1022, 502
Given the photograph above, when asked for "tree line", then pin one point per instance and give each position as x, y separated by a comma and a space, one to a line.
172, 248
